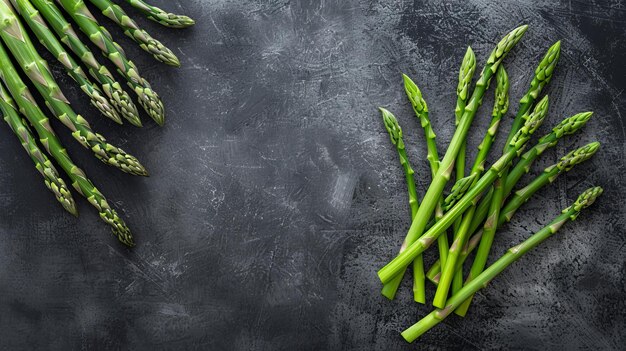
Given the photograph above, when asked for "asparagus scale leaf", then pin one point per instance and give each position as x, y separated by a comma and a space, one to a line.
51, 177
165, 18
113, 90
36, 68
585, 200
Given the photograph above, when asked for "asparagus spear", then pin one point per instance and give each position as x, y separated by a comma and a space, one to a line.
51, 177
513, 254
138, 35
398, 265
447, 164
36, 69
466, 73
63, 29
49, 41
148, 99
28, 107
567, 126
156, 14
395, 134
421, 111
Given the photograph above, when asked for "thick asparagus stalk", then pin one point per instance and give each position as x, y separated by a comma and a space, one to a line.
36, 69
398, 265
51, 177
53, 146
421, 111
513, 254
49, 41
567, 126
395, 134
63, 29
132, 30
156, 14
436, 187
148, 99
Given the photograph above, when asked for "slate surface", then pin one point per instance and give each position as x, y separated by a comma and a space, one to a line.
274, 195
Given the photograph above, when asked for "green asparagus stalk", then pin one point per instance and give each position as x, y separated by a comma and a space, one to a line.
132, 30
395, 134
113, 90
444, 171
421, 111
466, 73
398, 265
28, 107
148, 99
36, 69
157, 15
51, 177
49, 41
513, 254
567, 126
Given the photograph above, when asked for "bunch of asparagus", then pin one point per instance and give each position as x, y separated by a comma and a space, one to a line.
482, 201
49, 25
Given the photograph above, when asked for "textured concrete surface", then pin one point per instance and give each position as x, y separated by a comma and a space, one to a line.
275, 196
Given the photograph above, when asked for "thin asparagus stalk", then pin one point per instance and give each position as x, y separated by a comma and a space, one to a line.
36, 69
49, 41
395, 134
421, 111
436, 187
398, 265
513, 254
51, 177
132, 30
148, 98
466, 73
28, 107
113, 90
567, 126
157, 15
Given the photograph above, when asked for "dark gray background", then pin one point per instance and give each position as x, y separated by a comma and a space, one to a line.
275, 196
